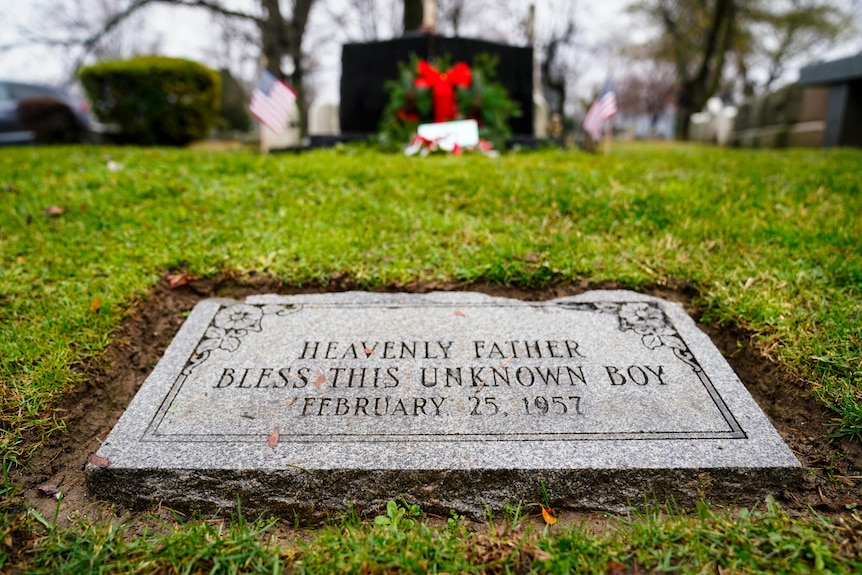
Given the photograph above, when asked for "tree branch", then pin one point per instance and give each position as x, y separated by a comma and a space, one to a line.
89, 43
715, 40
215, 7
673, 29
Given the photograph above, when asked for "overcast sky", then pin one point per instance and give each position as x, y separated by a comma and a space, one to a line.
191, 33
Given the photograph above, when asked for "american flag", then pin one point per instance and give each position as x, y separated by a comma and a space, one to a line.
271, 102
603, 107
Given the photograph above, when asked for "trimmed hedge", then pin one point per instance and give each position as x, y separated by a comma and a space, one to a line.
154, 99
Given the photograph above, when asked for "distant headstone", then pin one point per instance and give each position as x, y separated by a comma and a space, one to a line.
303, 405
842, 120
323, 119
366, 67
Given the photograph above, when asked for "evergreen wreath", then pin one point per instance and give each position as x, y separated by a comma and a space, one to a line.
438, 92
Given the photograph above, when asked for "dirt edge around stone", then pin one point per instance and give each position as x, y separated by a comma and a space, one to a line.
112, 379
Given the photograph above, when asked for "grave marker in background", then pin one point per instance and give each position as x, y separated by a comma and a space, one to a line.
366, 67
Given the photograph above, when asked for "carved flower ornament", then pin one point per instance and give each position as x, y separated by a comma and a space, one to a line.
240, 316
231, 323
650, 322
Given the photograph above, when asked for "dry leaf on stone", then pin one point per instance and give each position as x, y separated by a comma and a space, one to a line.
460, 313
98, 460
321, 379
272, 440
180, 279
54, 211
548, 515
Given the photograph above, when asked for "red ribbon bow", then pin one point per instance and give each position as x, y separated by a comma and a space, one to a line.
443, 85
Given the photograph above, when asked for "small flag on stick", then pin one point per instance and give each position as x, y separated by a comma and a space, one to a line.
271, 102
603, 107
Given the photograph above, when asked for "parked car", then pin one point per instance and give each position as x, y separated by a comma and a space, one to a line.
30, 113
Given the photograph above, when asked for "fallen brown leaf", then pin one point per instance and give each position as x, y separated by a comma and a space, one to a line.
98, 460
180, 279
54, 210
96, 305
460, 313
548, 515
321, 379
272, 440
615, 568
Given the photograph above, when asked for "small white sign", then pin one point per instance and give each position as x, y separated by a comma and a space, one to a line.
465, 133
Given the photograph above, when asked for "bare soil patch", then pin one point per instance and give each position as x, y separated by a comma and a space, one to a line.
834, 466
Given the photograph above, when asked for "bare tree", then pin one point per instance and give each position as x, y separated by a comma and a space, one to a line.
280, 34
648, 87
413, 11
367, 12
700, 37
555, 40
558, 60
452, 13
362, 20
235, 47
71, 20
773, 35
696, 36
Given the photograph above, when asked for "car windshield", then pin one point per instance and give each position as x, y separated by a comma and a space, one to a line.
24, 91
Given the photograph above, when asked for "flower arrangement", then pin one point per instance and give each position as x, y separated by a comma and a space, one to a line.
437, 92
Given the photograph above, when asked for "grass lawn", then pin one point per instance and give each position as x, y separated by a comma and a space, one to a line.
769, 241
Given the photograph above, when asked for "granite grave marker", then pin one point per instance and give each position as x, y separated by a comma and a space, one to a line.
301, 405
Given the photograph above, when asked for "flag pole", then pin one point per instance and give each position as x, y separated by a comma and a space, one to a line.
609, 134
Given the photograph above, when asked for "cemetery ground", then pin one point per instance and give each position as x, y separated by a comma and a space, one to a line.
104, 250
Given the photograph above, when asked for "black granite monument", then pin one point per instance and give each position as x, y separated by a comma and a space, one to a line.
843, 123
366, 67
